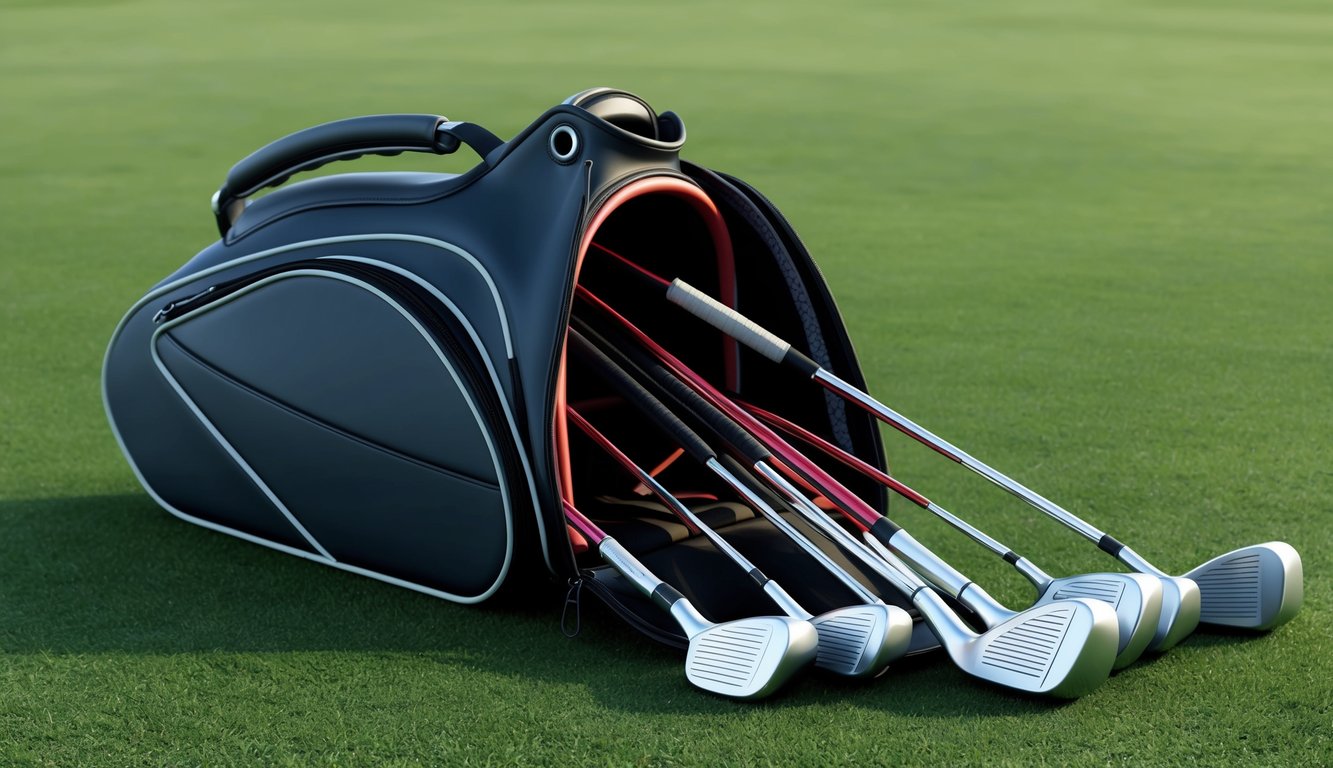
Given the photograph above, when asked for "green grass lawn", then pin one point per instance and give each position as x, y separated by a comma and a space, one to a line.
1090, 241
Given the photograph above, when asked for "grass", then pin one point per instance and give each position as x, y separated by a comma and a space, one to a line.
1088, 239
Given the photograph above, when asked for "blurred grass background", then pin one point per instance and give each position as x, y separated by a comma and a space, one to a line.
1087, 240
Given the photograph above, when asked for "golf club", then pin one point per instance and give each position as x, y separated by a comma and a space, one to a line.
856, 641
1059, 649
1136, 597
1256, 587
743, 659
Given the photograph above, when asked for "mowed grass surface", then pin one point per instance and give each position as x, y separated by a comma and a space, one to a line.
1090, 241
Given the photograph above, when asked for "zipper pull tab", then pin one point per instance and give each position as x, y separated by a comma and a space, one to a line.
181, 306
572, 598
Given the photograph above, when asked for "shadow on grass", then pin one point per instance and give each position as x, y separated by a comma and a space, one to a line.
117, 574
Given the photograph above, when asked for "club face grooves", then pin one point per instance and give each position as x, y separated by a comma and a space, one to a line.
1063, 649
749, 658
861, 640
1136, 599
1027, 649
1256, 587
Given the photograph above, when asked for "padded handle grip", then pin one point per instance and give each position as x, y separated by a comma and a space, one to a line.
633, 391
727, 320
348, 139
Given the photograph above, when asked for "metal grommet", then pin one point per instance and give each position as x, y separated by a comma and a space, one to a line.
563, 143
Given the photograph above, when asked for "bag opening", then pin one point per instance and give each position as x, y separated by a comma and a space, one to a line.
673, 229
669, 226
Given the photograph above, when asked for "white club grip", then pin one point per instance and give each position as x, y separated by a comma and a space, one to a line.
727, 320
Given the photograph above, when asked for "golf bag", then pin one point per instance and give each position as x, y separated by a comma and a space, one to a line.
367, 370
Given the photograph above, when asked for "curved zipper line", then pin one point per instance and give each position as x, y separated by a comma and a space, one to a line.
472, 260
490, 369
273, 498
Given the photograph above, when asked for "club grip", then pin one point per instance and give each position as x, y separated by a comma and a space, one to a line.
634, 392
720, 423
727, 320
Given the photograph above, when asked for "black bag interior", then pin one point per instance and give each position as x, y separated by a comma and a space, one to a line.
669, 236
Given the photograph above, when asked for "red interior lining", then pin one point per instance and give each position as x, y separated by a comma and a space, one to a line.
717, 229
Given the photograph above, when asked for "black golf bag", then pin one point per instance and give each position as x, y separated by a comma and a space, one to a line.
368, 369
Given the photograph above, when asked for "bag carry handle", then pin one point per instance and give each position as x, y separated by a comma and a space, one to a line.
348, 139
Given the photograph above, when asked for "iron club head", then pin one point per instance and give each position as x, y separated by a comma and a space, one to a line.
1063, 649
1180, 612
861, 640
1136, 599
749, 658
1256, 587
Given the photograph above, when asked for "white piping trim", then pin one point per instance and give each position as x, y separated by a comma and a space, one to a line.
160, 291
226, 446
328, 559
301, 553
490, 369
472, 260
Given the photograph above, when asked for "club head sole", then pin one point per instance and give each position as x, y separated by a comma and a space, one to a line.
750, 658
1064, 649
861, 640
1257, 587
1136, 599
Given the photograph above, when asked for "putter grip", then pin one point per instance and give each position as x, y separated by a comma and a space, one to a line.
727, 320
634, 392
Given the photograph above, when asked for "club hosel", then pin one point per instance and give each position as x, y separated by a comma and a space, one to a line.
689, 619
1039, 578
785, 601
941, 619
987, 608
946, 577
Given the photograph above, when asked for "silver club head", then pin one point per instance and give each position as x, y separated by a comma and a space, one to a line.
750, 658
1063, 648
1256, 587
861, 640
1136, 598
1180, 612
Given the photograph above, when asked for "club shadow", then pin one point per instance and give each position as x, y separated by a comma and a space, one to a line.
114, 573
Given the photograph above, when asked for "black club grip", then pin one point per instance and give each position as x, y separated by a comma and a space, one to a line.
634, 392
718, 422
348, 139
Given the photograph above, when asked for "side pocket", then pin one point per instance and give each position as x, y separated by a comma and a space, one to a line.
362, 418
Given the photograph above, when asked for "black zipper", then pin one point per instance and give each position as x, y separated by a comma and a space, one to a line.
178, 307
594, 583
